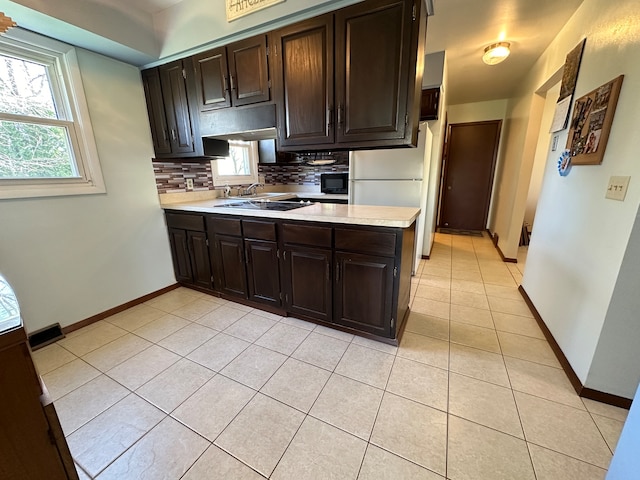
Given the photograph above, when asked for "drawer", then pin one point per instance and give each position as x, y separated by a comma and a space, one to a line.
366, 241
259, 230
306, 235
224, 226
185, 221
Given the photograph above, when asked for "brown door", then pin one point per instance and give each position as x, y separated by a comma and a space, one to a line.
470, 160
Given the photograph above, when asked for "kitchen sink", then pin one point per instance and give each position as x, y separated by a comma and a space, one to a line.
280, 206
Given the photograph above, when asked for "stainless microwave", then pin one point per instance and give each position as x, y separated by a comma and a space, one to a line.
334, 182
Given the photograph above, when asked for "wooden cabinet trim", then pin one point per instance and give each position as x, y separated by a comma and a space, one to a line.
259, 230
185, 221
224, 226
317, 236
366, 241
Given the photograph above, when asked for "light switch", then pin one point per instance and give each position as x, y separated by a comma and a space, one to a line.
617, 188
189, 183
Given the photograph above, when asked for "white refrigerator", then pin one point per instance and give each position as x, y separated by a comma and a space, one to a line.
393, 177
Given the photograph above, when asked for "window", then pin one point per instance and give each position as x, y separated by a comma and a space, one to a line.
239, 168
46, 140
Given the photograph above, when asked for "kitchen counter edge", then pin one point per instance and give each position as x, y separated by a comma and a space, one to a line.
380, 216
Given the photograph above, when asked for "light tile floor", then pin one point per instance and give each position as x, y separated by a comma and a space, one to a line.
191, 386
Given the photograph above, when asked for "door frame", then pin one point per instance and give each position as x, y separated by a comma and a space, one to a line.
445, 165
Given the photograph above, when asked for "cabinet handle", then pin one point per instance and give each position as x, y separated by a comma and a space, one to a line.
233, 87
337, 271
173, 134
246, 257
284, 255
225, 83
328, 273
340, 116
164, 134
329, 118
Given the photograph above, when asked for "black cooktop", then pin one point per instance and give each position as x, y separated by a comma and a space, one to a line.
280, 206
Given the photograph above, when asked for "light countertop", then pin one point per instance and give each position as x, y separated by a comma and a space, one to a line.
400, 217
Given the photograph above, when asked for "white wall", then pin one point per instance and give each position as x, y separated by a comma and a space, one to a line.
69, 258
618, 348
580, 237
543, 147
478, 111
202, 24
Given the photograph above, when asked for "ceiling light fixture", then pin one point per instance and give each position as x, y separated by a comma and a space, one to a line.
496, 53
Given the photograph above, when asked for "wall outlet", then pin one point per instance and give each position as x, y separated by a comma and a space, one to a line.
617, 188
189, 183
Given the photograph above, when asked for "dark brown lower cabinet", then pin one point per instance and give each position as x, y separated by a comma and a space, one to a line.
364, 293
263, 271
189, 250
352, 276
229, 269
308, 281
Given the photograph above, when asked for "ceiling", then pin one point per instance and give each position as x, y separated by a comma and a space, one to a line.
461, 28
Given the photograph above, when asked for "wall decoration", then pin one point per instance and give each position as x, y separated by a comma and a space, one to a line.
567, 87
239, 8
591, 123
564, 163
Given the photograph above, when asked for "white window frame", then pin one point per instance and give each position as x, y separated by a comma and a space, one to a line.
222, 180
68, 90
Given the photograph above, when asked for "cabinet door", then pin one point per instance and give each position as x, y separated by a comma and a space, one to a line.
372, 70
155, 108
176, 105
212, 82
180, 254
230, 269
308, 282
363, 292
304, 82
248, 71
199, 255
263, 271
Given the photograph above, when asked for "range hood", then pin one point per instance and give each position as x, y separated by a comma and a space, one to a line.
240, 123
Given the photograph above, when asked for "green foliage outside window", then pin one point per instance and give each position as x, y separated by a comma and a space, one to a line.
30, 149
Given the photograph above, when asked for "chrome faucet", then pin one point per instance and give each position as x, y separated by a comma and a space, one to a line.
252, 189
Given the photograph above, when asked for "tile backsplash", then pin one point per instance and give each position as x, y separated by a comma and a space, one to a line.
171, 176
297, 174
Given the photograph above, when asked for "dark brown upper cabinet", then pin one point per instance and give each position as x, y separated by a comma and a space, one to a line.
155, 107
303, 78
367, 52
174, 127
373, 65
429, 103
234, 75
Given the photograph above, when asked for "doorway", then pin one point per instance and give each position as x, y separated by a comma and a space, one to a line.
470, 160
